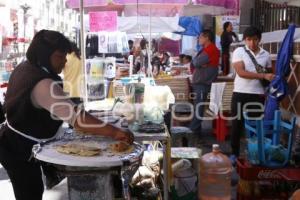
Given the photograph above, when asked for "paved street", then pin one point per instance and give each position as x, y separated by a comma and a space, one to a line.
59, 192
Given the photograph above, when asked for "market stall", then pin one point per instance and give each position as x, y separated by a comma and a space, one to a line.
147, 122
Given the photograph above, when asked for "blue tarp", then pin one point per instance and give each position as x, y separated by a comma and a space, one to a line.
278, 87
192, 26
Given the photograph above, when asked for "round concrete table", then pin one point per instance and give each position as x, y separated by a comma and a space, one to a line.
91, 177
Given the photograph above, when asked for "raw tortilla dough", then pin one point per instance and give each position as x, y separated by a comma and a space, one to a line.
78, 149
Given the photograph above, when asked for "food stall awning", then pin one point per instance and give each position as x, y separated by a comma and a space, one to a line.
132, 7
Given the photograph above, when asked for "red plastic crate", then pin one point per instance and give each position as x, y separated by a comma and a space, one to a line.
256, 174
266, 190
242, 197
250, 172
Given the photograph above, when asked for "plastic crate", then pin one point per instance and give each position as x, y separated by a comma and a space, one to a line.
263, 183
249, 172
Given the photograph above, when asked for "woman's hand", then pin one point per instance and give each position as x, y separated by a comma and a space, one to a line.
124, 135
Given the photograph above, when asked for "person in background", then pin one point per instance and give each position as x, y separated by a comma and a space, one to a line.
206, 65
187, 62
154, 47
226, 39
155, 66
35, 107
73, 74
130, 45
181, 57
165, 61
141, 57
248, 93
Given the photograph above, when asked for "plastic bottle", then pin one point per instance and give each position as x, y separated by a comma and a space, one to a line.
215, 176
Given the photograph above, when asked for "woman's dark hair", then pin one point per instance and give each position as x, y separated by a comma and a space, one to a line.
75, 49
155, 62
251, 32
44, 43
143, 43
188, 57
130, 42
209, 34
225, 25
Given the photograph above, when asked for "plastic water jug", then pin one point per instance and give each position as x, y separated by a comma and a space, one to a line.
215, 176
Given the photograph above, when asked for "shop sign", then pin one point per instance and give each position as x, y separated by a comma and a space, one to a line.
103, 21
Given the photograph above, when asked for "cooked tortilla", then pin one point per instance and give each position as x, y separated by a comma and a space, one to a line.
78, 149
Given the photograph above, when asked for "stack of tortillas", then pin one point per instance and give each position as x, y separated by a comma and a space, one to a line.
78, 149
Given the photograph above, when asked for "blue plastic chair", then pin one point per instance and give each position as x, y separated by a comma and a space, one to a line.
267, 133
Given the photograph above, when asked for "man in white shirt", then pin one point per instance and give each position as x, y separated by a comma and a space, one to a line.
248, 92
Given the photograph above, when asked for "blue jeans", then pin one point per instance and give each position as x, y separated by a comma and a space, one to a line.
200, 91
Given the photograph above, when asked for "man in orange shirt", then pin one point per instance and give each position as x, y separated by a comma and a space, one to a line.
206, 71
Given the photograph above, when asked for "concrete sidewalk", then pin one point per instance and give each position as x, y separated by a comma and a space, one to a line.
59, 192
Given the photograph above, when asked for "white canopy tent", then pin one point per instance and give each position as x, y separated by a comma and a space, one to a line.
140, 24
158, 24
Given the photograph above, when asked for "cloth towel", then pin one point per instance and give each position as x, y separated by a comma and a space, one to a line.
216, 95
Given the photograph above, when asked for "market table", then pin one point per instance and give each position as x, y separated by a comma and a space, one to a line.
163, 137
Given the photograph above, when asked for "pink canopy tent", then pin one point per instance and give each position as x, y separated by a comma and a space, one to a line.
229, 6
166, 8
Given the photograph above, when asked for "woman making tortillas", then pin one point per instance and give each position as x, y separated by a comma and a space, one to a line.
35, 107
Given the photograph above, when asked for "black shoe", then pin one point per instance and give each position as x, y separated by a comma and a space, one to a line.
197, 131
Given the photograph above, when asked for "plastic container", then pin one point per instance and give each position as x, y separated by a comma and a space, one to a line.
215, 176
181, 164
185, 182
